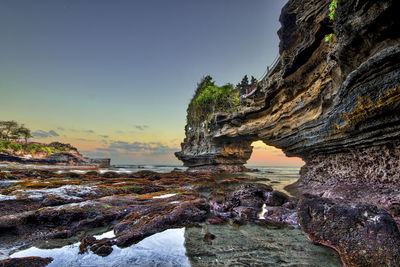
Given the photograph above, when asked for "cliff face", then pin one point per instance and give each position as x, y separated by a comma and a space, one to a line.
334, 104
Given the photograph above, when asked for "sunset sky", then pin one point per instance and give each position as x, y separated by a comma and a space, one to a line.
114, 78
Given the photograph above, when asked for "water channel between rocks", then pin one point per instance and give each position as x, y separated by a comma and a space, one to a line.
226, 245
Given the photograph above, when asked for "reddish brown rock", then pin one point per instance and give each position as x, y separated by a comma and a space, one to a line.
362, 234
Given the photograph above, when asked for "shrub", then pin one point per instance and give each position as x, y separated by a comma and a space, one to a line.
28, 148
62, 147
15, 146
48, 150
209, 99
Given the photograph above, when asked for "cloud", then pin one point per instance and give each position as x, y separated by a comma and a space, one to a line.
89, 131
150, 148
61, 128
105, 149
53, 133
44, 134
85, 140
104, 136
141, 127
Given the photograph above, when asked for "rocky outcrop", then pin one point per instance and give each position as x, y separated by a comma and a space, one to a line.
362, 234
71, 158
334, 104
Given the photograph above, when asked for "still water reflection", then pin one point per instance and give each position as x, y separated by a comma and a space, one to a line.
248, 245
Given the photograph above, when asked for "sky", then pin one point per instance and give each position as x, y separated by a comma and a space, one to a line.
114, 78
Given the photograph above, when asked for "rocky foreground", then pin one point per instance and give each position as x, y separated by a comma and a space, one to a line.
41, 205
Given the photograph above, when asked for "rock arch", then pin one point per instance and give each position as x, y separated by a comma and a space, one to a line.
336, 114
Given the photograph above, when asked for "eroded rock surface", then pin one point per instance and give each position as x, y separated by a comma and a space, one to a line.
362, 234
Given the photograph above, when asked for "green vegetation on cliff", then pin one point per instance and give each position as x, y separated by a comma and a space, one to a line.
209, 99
11, 131
33, 148
332, 9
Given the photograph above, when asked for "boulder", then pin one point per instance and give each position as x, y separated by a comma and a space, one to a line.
361, 233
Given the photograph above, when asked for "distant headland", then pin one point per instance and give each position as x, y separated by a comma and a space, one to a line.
15, 148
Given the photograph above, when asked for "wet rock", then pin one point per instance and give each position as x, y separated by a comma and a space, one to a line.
53, 200
249, 195
61, 221
85, 242
219, 204
225, 215
102, 248
275, 198
171, 216
291, 203
110, 175
27, 261
281, 215
61, 234
217, 220
362, 234
246, 212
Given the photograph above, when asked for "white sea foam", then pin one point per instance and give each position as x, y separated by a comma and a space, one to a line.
165, 196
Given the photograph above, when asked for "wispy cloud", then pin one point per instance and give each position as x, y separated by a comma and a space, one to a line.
86, 140
141, 127
89, 131
44, 134
105, 149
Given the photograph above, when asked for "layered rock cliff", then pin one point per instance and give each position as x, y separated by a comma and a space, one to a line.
334, 104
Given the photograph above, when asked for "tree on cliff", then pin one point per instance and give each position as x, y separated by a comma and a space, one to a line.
12, 130
7, 128
253, 81
244, 84
24, 133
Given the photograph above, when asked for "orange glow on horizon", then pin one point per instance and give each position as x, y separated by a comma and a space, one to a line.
271, 156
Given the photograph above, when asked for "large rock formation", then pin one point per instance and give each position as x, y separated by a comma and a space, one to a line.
362, 234
334, 104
